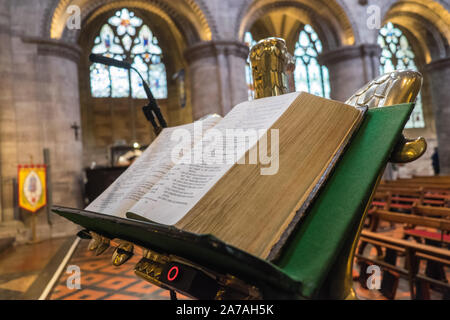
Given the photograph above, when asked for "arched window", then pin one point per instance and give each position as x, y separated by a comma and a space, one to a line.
126, 37
397, 54
309, 75
248, 39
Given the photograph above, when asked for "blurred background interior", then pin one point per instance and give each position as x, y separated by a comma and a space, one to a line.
84, 120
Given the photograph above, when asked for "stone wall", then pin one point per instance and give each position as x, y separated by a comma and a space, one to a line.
7, 116
42, 105
439, 72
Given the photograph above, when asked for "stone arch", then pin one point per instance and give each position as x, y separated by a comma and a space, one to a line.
327, 17
200, 7
428, 24
169, 40
125, 120
174, 27
184, 17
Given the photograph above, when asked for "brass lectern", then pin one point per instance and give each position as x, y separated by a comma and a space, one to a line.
316, 262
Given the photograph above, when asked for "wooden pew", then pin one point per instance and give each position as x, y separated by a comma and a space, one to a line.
434, 269
440, 224
429, 178
441, 185
429, 211
382, 200
398, 199
413, 252
406, 195
410, 221
433, 212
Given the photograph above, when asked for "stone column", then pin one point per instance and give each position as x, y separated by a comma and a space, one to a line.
59, 102
350, 68
7, 118
217, 76
46, 106
439, 74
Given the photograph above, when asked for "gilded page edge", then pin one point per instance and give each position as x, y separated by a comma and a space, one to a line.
277, 248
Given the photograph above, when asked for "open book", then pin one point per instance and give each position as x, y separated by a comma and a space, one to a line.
246, 178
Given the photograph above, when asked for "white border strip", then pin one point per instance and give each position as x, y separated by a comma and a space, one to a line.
60, 269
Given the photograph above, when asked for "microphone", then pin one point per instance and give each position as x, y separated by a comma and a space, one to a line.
152, 107
109, 61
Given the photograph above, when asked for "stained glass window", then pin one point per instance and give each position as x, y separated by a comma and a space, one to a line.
248, 39
397, 54
309, 75
126, 37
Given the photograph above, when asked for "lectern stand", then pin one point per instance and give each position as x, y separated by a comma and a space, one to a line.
203, 267
316, 261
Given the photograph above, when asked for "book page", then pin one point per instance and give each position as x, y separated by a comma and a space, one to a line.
256, 212
186, 183
147, 170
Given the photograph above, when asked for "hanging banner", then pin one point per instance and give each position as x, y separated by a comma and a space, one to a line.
32, 187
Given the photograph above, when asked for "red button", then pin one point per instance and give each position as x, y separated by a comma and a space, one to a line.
172, 274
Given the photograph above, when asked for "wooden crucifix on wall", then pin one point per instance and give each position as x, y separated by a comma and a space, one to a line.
75, 128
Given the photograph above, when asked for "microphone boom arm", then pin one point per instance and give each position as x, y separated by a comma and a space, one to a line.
152, 106
151, 109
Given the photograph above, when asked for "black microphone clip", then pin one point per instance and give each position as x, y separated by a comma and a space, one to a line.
151, 110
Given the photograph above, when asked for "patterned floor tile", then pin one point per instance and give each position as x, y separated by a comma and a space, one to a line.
93, 265
116, 270
61, 290
143, 287
86, 294
117, 283
93, 278
101, 280
121, 296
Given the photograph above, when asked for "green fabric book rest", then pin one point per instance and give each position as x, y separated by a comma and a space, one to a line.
311, 262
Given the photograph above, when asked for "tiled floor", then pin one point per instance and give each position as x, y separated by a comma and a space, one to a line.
21, 267
100, 280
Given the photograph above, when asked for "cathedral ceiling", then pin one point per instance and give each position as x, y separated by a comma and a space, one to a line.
327, 16
429, 23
